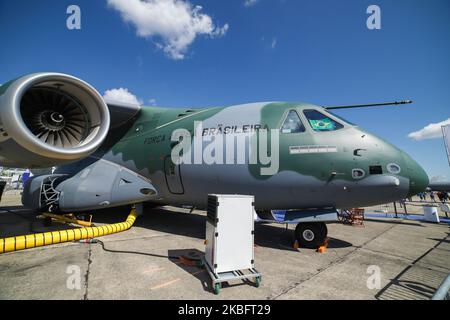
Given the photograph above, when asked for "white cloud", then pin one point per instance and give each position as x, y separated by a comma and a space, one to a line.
431, 131
274, 43
250, 3
121, 95
438, 178
175, 22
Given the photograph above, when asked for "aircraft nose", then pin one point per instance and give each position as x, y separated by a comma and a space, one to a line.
418, 178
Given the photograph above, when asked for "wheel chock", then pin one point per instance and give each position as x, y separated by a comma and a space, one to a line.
323, 247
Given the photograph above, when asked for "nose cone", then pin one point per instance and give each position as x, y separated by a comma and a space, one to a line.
418, 178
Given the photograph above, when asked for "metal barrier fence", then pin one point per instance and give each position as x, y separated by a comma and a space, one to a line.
410, 207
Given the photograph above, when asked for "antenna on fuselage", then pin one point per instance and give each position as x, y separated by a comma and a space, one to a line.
370, 105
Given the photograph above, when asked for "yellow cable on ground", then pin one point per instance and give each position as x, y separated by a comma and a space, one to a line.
47, 238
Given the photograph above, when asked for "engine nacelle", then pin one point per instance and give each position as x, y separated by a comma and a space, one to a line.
48, 119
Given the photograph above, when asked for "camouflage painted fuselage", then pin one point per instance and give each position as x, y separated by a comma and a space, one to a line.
316, 169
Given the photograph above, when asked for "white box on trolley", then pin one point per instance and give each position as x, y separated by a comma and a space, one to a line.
230, 233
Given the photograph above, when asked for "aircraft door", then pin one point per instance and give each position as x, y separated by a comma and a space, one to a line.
173, 176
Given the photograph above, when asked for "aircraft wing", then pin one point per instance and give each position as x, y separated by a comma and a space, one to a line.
439, 186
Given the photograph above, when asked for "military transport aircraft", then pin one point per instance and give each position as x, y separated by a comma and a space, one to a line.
109, 154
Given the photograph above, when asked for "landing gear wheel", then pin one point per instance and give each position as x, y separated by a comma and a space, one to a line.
217, 288
258, 282
311, 235
324, 229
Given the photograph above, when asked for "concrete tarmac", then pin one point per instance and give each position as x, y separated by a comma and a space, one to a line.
410, 257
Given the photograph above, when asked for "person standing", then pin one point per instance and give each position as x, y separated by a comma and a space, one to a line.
432, 196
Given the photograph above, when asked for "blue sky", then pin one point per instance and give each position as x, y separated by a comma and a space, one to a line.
289, 50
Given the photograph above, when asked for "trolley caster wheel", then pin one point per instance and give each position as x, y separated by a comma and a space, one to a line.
258, 282
217, 288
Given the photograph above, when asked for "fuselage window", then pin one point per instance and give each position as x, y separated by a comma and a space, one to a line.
292, 124
320, 122
358, 173
394, 168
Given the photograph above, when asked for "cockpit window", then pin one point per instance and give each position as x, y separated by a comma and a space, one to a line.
292, 124
341, 118
320, 122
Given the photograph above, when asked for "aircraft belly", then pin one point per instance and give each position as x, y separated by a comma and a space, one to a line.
283, 190
287, 189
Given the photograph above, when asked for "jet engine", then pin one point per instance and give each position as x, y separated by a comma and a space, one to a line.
48, 119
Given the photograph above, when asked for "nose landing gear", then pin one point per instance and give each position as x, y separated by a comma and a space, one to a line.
311, 235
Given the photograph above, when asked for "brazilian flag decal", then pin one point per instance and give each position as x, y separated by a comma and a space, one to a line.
322, 125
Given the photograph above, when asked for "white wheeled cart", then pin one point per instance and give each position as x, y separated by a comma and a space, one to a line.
230, 239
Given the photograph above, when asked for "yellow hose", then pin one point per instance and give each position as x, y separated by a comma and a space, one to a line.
47, 238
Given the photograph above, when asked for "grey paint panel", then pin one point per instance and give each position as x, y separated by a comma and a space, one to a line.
104, 184
173, 176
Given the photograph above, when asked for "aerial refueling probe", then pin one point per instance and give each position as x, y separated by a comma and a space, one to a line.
371, 105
